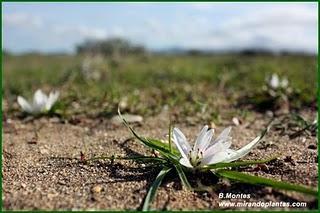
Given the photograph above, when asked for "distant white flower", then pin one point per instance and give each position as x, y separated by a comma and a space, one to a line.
275, 82
284, 83
41, 102
207, 152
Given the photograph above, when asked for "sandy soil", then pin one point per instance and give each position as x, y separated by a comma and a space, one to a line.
42, 167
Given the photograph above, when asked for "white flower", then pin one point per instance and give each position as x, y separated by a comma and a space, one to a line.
207, 151
275, 82
41, 102
284, 83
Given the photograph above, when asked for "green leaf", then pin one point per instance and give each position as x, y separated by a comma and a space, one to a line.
166, 146
251, 179
152, 143
153, 189
236, 164
182, 176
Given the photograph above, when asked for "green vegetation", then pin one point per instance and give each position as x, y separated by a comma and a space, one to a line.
144, 84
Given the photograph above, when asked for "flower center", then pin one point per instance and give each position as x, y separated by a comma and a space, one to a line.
195, 157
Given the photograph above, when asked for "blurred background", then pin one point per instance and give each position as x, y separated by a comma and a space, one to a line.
200, 60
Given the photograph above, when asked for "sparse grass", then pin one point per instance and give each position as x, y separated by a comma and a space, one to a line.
188, 85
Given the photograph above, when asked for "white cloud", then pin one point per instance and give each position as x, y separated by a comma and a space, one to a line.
277, 17
291, 28
80, 31
23, 20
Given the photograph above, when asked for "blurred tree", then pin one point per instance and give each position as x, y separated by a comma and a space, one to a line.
110, 47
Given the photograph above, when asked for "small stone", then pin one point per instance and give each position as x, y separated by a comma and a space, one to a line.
44, 151
236, 121
96, 189
54, 120
128, 117
269, 113
50, 195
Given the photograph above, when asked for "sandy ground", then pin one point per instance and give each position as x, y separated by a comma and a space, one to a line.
42, 167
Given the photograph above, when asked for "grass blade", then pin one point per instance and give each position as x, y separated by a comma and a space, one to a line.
173, 151
251, 179
237, 164
153, 189
182, 176
152, 143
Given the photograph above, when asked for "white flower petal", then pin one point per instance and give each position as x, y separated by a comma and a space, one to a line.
244, 150
216, 148
200, 137
222, 143
219, 157
206, 140
203, 139
185, 162
24, 104
181, 142
224, 134
53, 97
39, 100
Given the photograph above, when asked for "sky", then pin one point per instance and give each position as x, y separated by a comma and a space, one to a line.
56, 27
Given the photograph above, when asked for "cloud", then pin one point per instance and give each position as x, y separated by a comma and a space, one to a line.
277, 28
41, 34
277, 17
80, 31
22, 20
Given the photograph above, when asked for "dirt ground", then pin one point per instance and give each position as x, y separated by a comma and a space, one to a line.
42, 167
